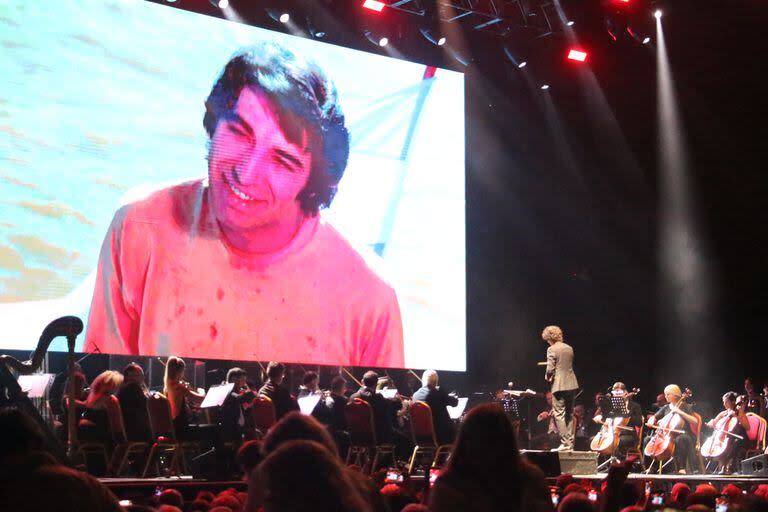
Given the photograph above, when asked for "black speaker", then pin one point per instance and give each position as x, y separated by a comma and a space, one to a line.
556, 463
757, 465
547, 461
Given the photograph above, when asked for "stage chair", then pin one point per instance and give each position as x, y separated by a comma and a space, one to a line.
756, 434
424, 438
124, 447
362, 433
85, 449
263, 414
165, 440
698, 442
638, 450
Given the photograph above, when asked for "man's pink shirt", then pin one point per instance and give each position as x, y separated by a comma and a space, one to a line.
168, 283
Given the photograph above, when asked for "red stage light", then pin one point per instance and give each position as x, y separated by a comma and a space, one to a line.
374, 5
577, 55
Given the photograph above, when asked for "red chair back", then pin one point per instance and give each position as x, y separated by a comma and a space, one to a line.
422, 426
756, 432
159, 412
755, 425
359, 415
115, 418
263, 413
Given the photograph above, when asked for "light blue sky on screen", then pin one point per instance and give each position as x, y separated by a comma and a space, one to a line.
102, 100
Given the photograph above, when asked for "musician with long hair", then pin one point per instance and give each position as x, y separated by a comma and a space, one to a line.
179, 394
685, 451
733, 407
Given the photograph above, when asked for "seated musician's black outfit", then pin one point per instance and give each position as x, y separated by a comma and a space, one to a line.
234, 420
627, 439
438, 400
94, 425
281, 398
685, 444
133, 402
381, 416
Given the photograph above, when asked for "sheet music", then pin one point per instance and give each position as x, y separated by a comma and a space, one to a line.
217, 394
308, 403
35, 385
456, 412
387, 393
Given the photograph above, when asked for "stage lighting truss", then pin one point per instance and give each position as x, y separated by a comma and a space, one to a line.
501, 17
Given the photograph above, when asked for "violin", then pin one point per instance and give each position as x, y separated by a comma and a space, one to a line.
720, 444
606, 441
661, 446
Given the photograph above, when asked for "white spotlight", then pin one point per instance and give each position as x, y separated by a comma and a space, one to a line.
544, 87
285, 17
646, 40
383, 42
570, 23
223, 4
522, 65
441, 41
657, 14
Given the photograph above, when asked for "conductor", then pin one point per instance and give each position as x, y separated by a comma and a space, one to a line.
564, 384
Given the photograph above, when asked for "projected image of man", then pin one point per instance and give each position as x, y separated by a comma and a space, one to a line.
241, 265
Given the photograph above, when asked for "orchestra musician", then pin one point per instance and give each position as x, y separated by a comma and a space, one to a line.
438, 400
685, 451
379, 406
754, 402
234, 420
733, 407
627, 438
547, 438
310, 385
179, 394
133, 396
273, 388
564, 384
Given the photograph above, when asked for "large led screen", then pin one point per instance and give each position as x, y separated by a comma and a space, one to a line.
194, 186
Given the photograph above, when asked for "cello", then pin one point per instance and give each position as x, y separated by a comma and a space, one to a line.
720, 444
606, 441
661, 446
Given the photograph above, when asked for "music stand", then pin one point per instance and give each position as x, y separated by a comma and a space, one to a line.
308, 403
35, 385
619, 406
456, 411
216, 395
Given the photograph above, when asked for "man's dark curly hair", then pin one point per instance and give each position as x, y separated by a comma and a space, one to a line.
305, 101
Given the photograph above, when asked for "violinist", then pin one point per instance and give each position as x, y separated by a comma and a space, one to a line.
753, 401
438, 401
179, 394
310, 386
279, 394
730, 446
627, 438
684, 453
235, 422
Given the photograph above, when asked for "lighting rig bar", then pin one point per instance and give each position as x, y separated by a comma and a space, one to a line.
501, 17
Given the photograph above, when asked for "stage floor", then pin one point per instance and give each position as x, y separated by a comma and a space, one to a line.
690, 479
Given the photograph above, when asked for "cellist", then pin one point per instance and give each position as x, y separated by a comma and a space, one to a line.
627, 438
732, 409
685, 445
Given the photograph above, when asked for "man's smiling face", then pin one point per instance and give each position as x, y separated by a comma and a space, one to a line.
255, 172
